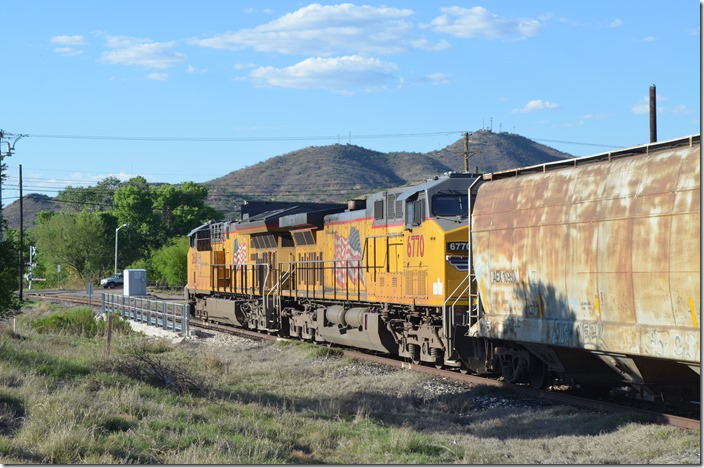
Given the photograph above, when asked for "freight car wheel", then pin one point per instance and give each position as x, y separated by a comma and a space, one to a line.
541, 376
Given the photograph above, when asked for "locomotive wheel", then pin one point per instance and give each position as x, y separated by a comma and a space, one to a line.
415, 353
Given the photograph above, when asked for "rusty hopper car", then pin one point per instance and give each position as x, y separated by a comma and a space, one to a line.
383, 274
590, 269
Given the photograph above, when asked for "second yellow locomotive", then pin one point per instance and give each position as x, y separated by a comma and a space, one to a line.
385, 274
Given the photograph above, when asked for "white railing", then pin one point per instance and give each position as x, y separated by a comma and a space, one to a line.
163, 314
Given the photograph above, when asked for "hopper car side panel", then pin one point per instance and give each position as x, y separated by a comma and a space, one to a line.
602, 255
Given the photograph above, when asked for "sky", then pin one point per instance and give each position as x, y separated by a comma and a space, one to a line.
178, 91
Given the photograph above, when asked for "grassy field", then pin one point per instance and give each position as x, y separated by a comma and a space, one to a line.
64, 401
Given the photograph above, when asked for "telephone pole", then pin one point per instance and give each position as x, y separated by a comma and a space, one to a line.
467, 141
20, 249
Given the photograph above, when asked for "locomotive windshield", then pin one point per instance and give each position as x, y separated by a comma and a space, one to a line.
450, 204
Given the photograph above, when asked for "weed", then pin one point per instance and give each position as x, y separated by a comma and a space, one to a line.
12, 413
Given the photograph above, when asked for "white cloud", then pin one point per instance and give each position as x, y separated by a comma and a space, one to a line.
480, 22
68, 40
158, 76
192, 69
616, 23
141, 52
325, 30
648, 39
680, 109
342, 75
537, 104
67, 51
595, 116
244, 66
434, 79
642, 106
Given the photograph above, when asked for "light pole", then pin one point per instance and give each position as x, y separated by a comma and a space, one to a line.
10, 148
126, 224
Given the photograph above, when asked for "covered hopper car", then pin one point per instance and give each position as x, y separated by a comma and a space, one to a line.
586, 270
590, 269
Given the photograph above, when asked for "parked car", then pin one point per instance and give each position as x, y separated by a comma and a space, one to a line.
112, 281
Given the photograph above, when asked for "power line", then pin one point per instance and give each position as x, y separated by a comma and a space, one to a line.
286, 138
235, 139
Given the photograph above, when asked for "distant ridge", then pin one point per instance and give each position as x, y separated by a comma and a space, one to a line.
336, 173
339, 172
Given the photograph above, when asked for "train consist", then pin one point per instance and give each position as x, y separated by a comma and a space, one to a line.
586, 270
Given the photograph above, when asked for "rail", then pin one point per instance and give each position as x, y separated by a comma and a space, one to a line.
163, 314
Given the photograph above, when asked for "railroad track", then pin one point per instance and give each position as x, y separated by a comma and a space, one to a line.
562, 397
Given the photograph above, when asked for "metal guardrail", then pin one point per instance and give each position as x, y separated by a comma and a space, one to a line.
165, 315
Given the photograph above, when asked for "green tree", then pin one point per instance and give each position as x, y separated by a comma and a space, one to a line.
169, 262
9, 275
181, 208
133, 204
82, 243
95, 198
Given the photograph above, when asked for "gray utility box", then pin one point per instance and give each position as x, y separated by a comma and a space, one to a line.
135, 282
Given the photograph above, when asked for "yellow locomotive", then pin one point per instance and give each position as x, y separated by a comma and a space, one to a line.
388, 273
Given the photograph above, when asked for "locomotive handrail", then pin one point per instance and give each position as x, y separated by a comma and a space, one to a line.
244, 269
448, 315
354, 265
471, 276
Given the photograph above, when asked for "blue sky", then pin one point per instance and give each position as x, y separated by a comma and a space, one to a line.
176, 91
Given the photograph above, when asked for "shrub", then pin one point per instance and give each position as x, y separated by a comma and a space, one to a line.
78, 322
151, 363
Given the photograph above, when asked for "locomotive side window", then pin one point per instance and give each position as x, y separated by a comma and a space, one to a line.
450, 204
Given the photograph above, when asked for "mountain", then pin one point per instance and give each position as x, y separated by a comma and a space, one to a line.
336, 173
32, 203
493, 152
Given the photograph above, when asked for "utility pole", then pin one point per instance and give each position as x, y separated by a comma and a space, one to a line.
653, 116
20, 249
466, 152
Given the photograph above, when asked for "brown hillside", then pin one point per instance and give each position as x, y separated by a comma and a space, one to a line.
32, 204
493, 152
338, 172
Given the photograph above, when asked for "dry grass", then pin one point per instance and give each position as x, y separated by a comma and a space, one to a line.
62, 401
